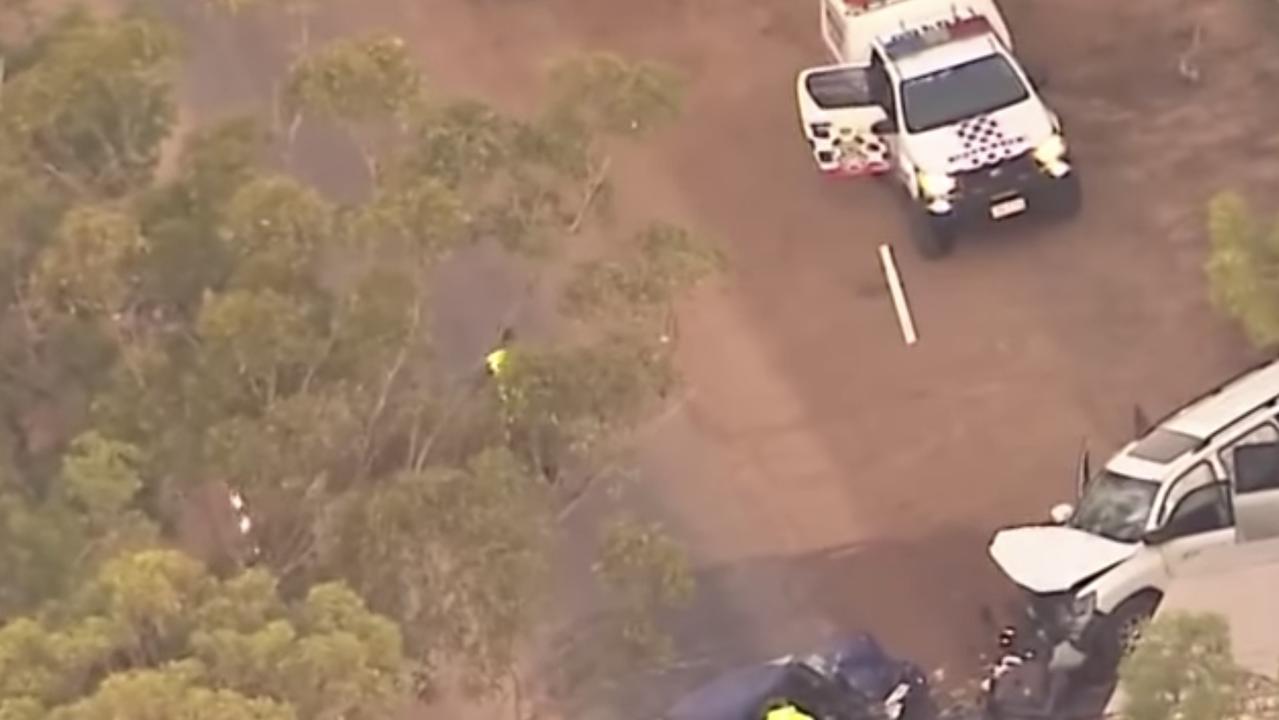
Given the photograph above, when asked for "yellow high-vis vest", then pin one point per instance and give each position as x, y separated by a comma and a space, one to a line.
787, 712
496, 360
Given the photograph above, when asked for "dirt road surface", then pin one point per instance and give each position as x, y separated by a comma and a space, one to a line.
825, 476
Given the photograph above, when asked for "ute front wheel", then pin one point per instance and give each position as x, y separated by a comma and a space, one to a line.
1067, 198
934, 236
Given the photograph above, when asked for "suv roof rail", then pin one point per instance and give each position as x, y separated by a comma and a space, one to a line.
1217, 390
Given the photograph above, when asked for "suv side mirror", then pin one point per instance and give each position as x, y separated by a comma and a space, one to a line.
1159, 535
1061, 513
887, 126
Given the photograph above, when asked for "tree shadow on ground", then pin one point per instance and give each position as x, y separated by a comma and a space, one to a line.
710, 634
883, 586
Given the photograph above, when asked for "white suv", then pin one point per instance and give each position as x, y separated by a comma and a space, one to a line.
1203, 480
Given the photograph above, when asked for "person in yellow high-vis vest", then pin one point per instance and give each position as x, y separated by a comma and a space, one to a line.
540, 440
497, 364
498, 359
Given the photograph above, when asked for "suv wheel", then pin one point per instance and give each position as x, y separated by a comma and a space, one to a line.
1128, 631
1122, 630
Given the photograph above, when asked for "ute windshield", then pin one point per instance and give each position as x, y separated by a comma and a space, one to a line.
947, 96
1116, 507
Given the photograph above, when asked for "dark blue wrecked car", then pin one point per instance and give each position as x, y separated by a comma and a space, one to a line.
853, 679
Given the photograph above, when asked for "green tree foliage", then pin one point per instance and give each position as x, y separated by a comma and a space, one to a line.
526, 182
174, 691
355, 80
182, 220
506, 175
355, 83
101, 479
300, 376
91, 101
605, 93
1183, 668
51, 536
153, 635
646, 572
88, 268
463, 144
422, 221
577, 402
466, 593
565, 405
86, 273
275, 230
1243, 267
595, 96
86, 105
661, 263
234, 327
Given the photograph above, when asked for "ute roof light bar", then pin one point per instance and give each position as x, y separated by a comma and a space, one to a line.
860, 6
916, 40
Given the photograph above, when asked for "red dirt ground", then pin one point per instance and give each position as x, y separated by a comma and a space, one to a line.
825, 476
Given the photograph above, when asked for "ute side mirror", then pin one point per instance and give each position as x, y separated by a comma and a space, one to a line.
1037, 78
887, 126
1060, 513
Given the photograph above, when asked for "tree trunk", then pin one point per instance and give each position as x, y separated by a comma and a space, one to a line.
66, 180
291, 137
28, 322
384, 396
367, 155
517, 694
593, 186
423, 454
125, 355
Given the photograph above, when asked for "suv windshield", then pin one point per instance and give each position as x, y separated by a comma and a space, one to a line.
948, 96
1115, 507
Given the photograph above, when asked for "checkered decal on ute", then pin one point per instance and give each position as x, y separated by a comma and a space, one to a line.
985, 143
862, 153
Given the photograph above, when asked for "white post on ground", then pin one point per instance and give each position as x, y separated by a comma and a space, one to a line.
899, 295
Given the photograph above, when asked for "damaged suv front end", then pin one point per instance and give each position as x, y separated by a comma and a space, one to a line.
1062, 616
